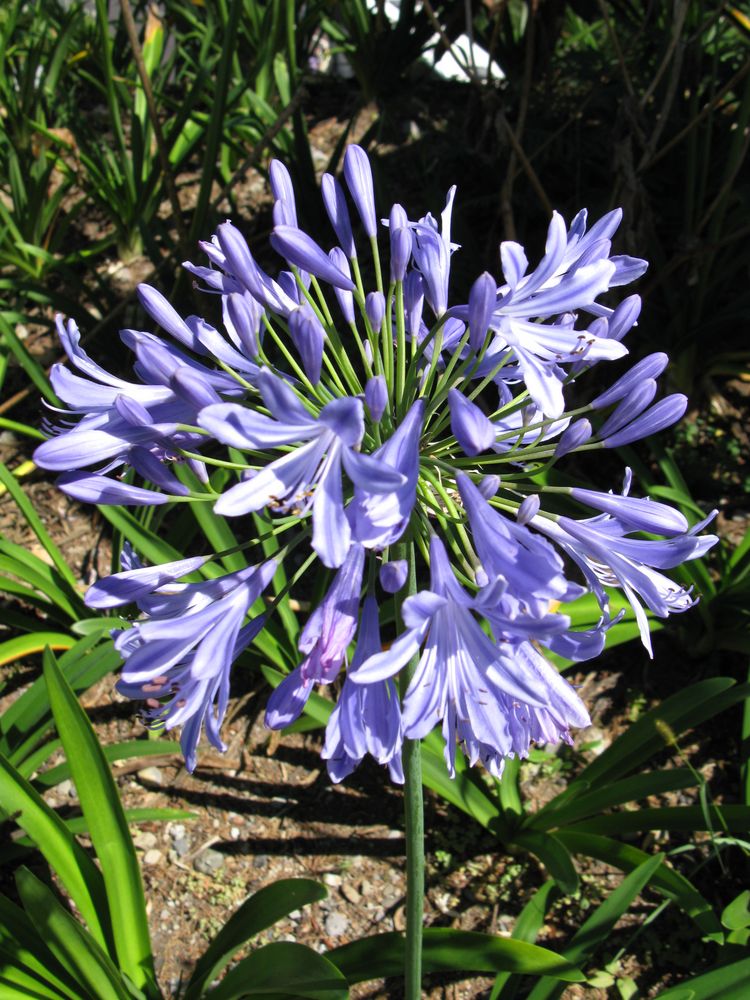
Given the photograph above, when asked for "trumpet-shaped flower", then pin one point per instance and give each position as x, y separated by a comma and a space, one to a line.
367, 717
309, 476
179, 658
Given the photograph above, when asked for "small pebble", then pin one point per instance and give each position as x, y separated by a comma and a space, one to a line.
234, 832
152, 775
399, 919
66, 788
181, 846
336, 924
209, 862
351, 893
152, 857
177, 831
260, 861
295, 914
332, 879
145, 840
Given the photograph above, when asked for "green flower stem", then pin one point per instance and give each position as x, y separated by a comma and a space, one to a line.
414, 818
386, 337
376, 261
414, 811
400, 342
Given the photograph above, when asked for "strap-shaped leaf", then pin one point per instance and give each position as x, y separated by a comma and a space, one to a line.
108, 828
24, 723
732, 818
666, 880
530, 921
600, 924
638, 786
21, 948
727, 983
25, 645
77, 872
35, 523
447, 950
553, 854
74, 949
677, 713
15, 984
115, 751
141, 538
282, 970
257, 913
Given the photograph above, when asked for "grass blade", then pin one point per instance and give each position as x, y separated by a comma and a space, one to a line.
257, 913
108, 828
73, 948
77, 872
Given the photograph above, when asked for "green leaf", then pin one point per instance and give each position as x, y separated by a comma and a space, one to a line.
600, 924
554, 855
733, 819
77, 872
22, 948
25, 722
115, 751
638, 786
145, 542
651, 732
736, 915
669, 882
74, 949
257, 913
35, 523
447, 950
726, 983
285, 970
32, 367
108, 828
26, 645
530, 921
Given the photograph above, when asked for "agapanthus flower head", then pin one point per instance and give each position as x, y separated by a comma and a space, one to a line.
394, 423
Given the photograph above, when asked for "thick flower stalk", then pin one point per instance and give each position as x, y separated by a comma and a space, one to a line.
354, 405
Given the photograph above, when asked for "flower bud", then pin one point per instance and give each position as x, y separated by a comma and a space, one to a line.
662, 414
474, 431
482, 299
300, 250
376, 396
529, 508
649, 367
489, 486
577, 434
358, 174
344, 298
283, 190
628, 408
375, 309
335, 206
309, 338
242, 316
413, 302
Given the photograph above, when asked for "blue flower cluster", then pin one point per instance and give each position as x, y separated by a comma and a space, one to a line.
392, 431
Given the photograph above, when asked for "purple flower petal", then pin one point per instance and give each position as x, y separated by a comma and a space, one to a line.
300, 250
